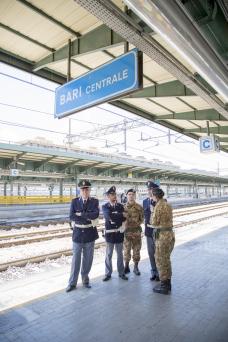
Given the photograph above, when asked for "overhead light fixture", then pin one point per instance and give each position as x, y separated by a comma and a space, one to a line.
174, 24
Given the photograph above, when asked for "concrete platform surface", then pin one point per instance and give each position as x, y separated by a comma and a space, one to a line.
197, 309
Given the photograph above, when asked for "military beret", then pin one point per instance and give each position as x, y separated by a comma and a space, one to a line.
84, 184
112, 190
151, 185
131, 190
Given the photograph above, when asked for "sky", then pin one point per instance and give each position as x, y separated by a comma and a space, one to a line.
27, 113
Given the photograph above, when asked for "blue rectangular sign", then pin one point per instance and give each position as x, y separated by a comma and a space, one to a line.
113, 79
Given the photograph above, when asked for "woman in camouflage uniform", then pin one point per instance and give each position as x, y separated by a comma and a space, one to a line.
162, 221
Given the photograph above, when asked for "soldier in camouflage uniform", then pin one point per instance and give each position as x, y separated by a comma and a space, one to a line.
132, 238
162, 221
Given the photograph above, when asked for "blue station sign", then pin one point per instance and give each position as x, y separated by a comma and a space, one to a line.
111, 80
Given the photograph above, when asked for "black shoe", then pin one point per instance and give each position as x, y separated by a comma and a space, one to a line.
136, 270
162, 288
87, 286
157, 278
70, 288
106, 278
123, 277
127, 269
153, 277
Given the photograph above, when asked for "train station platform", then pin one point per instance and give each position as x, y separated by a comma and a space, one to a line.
197, 309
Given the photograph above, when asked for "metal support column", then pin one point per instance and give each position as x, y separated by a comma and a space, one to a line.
168, 186
196, 190
11, 188
125, 135
5, 189
25, 190
18, 189
69, 61
61, 188
208, 128
126, 44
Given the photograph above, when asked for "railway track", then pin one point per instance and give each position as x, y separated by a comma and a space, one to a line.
56, 255
46, 220
45, 235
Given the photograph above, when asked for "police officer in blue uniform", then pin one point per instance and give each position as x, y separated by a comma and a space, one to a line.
114, 233
148, 205
84, 213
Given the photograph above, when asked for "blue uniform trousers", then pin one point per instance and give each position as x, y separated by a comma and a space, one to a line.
108, 258
87, 251
151, 251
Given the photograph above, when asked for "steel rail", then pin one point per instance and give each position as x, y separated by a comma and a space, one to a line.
68, 252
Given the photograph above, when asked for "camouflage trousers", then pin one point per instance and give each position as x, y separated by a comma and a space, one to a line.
164, 246
132, 241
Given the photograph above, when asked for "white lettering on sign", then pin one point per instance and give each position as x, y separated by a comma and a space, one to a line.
92, 88
70, 96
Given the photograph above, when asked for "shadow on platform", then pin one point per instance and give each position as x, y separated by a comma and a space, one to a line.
197, 309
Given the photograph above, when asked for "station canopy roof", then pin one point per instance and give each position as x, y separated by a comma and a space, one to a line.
40, 155
36, 36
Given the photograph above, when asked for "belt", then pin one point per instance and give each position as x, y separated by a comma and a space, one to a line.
83, 226
133, 230
159, 230
107, 231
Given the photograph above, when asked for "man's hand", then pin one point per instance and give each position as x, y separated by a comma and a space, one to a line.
72, 223
78, 213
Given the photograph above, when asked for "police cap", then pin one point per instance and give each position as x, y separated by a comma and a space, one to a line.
151, 185
131, 190
84, 184
112, 190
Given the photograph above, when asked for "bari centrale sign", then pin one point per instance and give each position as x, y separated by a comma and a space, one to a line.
118, 77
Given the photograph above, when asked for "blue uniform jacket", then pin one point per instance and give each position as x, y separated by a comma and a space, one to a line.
113, 220
147, 202
89, 211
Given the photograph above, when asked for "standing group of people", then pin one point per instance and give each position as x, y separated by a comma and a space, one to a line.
123, 232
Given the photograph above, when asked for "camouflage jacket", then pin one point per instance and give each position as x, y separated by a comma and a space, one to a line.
135, 217
162, 216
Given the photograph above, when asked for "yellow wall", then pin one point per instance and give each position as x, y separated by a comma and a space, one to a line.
34, 199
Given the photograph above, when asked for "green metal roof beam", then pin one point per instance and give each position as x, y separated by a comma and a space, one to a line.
89, 167
223, 139
173, 88
151, 117
36, 42
100, 38
68, 165
43, 162
147, 115
15, 159
24, 64
101, 172
47, 16
204, 114
215, 130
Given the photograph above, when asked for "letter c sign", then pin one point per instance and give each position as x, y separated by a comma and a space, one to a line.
206, 144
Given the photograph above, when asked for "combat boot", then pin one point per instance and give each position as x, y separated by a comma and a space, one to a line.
136, 270
127, 268
169, 284
162, 288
